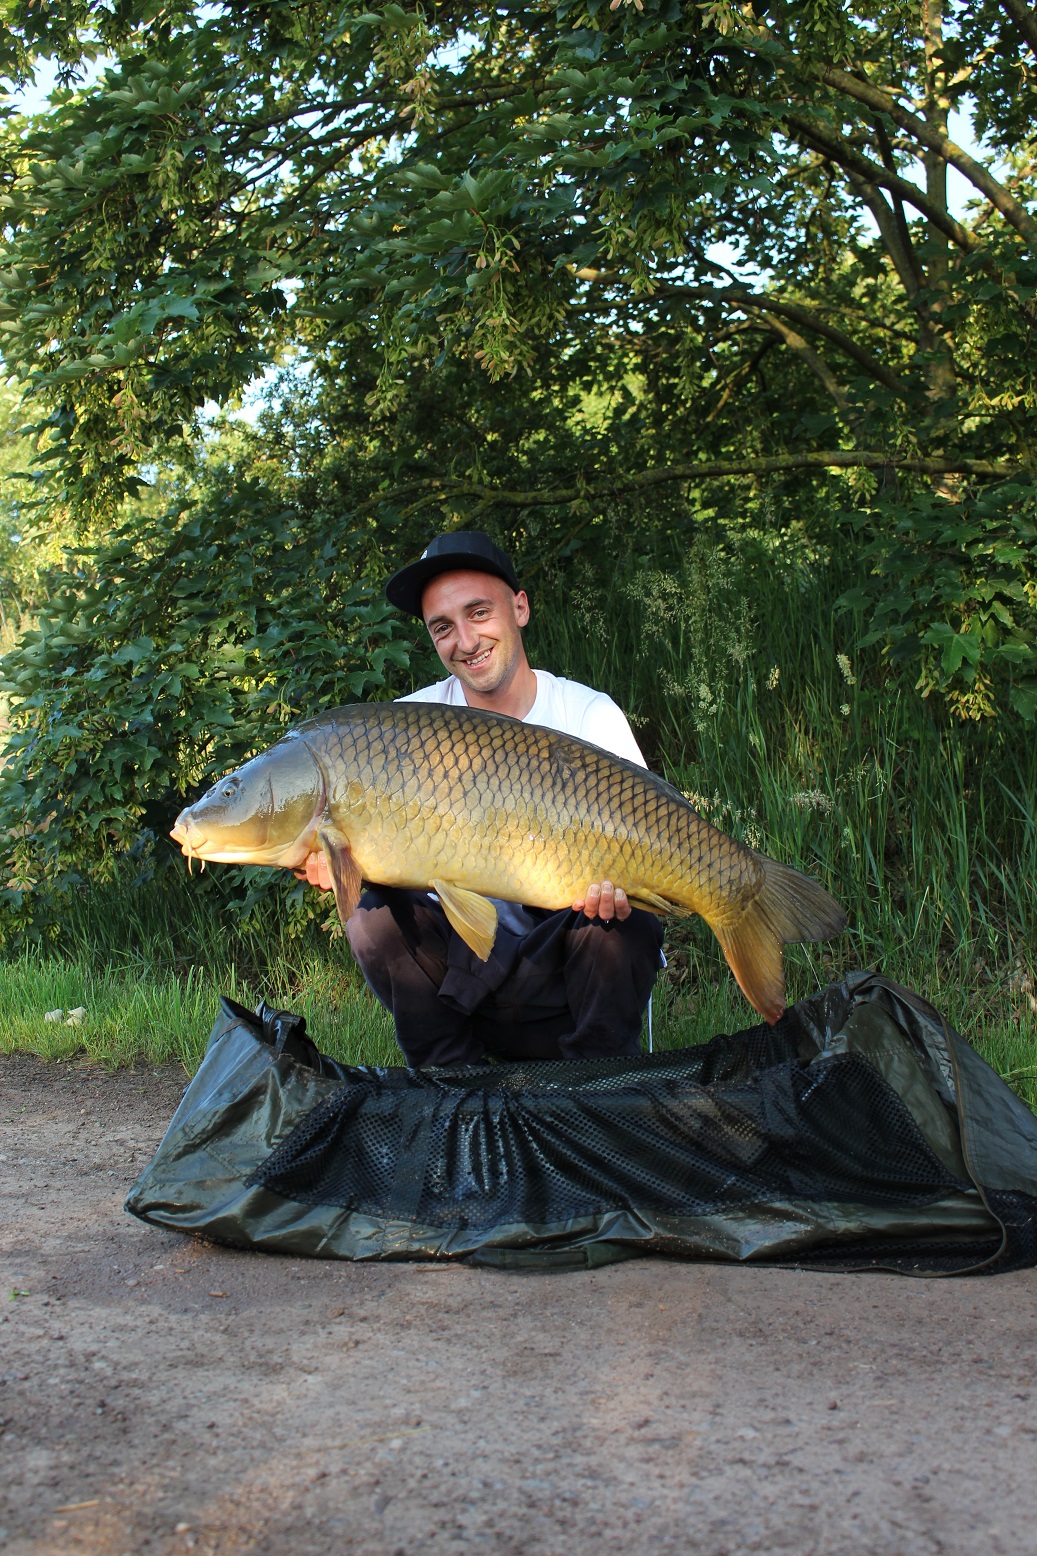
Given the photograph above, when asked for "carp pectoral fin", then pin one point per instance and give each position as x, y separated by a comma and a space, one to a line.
345, 873
652, 903
474, 917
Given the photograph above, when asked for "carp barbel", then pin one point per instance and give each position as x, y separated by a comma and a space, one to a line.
474, 805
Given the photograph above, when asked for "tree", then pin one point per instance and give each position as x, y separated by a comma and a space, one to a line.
531, 198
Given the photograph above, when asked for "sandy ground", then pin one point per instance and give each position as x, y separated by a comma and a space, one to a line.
159, 1394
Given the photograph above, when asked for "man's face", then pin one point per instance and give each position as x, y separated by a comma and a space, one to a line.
475, 623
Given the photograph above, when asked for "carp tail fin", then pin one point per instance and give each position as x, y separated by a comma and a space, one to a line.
789, 907
474, 917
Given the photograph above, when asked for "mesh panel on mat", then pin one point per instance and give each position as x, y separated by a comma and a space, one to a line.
528, 1144
357, 1127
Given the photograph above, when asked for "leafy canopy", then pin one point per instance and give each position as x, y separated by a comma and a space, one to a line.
595, 276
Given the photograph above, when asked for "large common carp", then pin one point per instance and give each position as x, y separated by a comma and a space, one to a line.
474, 805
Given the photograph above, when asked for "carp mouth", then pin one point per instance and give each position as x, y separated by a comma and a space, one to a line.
195, 845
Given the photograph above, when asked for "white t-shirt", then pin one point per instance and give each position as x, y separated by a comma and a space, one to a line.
559, 704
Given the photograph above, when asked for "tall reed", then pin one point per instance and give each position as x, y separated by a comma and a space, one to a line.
752, 693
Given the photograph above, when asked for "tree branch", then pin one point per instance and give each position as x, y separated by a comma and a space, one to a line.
810, 133
802, 316
1024, 19
817, 365
815, 459
903, 231
889, 232
741, 373
930, 136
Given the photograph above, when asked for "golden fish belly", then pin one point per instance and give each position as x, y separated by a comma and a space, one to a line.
516, 812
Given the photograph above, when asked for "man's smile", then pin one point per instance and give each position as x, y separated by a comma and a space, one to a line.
473, 661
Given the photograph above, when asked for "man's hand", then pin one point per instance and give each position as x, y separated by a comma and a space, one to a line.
604, 901
315, 870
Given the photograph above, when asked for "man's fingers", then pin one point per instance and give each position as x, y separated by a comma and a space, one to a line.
605, 901
315, 870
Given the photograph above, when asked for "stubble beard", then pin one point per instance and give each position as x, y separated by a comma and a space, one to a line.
499, 668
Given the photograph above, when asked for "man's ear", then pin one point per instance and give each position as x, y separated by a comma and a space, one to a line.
521, 608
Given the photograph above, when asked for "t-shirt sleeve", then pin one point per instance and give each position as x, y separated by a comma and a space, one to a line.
605, 724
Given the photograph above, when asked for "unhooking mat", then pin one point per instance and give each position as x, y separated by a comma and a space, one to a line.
861, 1132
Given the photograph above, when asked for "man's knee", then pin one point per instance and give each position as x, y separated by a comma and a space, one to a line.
373, 931
397, 937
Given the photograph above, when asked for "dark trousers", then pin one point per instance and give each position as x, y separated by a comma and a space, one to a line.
569, 988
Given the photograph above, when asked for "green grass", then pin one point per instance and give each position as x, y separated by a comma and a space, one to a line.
161, 1018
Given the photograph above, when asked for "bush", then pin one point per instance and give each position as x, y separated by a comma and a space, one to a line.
165, 655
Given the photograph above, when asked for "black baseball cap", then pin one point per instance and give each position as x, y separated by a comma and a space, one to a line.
461, 550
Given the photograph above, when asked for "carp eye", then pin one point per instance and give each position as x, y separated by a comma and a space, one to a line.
229, 791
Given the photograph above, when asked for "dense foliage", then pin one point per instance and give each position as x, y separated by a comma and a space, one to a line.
168, 653
606, 278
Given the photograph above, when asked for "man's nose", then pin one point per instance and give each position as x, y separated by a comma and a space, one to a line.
467, 637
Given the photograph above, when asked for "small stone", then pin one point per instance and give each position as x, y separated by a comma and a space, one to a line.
181, 1528
53, 1015
833, 1404
78, 1013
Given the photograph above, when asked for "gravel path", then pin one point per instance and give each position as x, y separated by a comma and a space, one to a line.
158, 1394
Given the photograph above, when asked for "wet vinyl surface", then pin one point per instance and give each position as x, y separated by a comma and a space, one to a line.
160, 1394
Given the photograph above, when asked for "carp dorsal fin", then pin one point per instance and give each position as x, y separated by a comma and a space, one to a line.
474, 917
345, 873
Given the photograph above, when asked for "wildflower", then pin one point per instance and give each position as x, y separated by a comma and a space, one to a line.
843, 661
773, 678
844, 709
813, 799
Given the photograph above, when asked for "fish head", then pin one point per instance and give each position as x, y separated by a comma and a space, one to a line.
264, 812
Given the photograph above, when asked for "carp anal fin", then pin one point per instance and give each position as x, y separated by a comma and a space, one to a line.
474, 917
345, 874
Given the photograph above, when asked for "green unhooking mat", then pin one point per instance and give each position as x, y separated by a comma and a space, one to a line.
861, 1132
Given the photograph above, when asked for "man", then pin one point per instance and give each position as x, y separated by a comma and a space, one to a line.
569, 984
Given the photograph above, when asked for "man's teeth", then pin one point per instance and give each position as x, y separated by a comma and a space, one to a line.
478, 660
